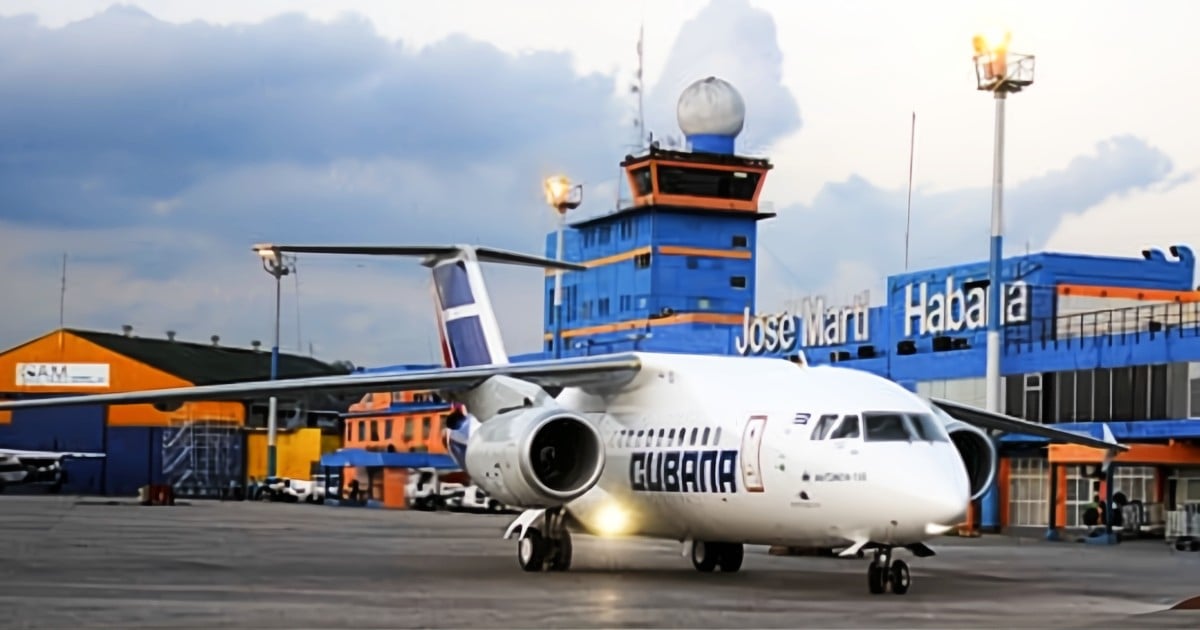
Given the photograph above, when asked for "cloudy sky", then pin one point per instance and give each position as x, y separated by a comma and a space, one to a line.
155, 141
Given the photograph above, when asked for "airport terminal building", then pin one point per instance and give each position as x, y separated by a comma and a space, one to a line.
1085, 339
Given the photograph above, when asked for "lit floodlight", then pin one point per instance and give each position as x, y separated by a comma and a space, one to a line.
996, 68
560, 194
266, 251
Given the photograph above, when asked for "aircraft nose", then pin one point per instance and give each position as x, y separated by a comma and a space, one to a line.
936, 492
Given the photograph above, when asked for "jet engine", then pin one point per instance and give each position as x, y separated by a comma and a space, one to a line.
535, 456
978, 454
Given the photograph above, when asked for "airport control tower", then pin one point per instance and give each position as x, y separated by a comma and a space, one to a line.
674, 269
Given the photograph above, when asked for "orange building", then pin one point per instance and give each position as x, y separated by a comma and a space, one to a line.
386, 435
204, 446
399, 422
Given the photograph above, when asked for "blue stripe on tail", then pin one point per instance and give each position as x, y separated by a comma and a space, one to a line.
453, 285
468, 344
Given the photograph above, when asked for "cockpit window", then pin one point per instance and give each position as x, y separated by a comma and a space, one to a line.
887, 427
823, 426
848, 428
928, 428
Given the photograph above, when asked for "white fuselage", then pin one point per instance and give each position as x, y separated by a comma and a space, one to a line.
722, 449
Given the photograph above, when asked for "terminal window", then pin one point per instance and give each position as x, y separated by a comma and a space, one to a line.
738, 282
699, 182
641, 180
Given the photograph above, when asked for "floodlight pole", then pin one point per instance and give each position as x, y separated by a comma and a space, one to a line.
558, 315
992, 72
560, 196
273, 263
995, 291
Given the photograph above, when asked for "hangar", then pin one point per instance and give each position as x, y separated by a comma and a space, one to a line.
202, 449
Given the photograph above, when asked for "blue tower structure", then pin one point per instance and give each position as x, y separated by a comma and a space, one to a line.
674, 270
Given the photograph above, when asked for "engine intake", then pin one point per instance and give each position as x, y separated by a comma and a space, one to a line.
978, 454
535, 457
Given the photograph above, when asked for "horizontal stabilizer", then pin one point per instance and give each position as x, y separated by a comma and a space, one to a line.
985, 419
431, 252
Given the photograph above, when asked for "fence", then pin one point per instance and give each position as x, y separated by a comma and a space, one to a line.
1183, 527
1108, 327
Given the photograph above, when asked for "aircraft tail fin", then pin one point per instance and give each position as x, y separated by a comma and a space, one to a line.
467, 323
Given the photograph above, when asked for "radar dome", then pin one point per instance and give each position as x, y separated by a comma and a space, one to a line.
711, 114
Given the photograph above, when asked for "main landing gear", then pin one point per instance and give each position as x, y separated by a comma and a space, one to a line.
548, 551
707, 556
884, 572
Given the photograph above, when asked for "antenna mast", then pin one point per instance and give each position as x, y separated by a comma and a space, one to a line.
641, 88
62, 293
908, 219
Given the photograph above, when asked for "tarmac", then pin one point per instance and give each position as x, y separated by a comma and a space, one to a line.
70, 562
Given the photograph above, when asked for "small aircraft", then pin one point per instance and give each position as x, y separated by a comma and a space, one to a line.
715, 452
28, 467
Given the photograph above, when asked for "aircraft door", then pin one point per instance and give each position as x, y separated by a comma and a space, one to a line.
752, 477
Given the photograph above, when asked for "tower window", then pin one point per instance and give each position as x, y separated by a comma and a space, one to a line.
641, 261
740, 240
737, 282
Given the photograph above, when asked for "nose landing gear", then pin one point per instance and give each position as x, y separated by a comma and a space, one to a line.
884, 572
551, 551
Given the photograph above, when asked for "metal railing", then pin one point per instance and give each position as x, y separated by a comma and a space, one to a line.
1107, 327
203, 458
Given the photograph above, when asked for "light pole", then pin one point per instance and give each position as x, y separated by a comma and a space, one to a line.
560, 194
275, 265
999, 71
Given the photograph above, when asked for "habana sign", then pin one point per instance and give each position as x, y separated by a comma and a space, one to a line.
954, 310
780, 332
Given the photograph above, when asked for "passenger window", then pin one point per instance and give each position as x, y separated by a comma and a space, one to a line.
693, 443
847, 429
717, 436
821, 430
638, 440
704, 440
670, 437
886, 427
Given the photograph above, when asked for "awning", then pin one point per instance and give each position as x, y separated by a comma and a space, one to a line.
373, 459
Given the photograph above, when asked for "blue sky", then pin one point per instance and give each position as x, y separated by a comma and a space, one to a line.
155, 142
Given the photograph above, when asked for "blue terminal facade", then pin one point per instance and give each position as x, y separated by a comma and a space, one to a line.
1085, 339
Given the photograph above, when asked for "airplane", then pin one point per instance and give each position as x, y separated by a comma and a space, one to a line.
28, 467
715, 452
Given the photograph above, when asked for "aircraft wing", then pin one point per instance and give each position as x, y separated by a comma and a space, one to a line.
8, 452
576, 372
985, 419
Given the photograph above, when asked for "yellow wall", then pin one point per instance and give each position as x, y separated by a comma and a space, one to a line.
295, 453
125, 375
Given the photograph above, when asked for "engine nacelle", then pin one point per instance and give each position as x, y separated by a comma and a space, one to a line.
978, 454
535, 456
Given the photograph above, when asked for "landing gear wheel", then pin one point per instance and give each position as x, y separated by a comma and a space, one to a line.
876, 581
899, 577
562, 553
730, 557
531, 551
704, 556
